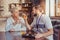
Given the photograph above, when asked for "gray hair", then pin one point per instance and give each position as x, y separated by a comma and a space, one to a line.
13, 9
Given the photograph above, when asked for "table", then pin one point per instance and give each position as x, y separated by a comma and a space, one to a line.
12, 36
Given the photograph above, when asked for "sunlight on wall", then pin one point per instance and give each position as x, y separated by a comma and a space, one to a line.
50, 9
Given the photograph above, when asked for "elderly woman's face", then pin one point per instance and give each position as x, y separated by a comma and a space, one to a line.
16, 13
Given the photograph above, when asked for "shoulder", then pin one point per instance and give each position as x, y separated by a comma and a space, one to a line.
9, 18
45, 16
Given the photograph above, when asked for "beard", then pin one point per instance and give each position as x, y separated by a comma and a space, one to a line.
35, 15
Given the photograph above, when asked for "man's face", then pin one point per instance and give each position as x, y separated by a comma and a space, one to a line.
34, 11
16, 13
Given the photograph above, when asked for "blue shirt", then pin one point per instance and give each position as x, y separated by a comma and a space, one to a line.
17, 27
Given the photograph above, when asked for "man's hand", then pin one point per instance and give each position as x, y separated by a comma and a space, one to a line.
24, 16
39, 35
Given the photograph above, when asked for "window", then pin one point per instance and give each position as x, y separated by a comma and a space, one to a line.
57, 6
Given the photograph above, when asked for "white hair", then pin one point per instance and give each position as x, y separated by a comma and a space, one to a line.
13, 9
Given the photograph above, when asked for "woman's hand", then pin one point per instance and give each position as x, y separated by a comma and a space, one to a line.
14, 23
18, 21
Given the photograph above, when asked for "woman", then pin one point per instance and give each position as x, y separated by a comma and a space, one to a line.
15, 22
41, 24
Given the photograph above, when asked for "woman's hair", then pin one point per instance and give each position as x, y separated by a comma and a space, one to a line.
13, 9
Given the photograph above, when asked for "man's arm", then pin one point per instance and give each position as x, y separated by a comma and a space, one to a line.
28, 26
26, 22
48, 26
46, 34
50, 32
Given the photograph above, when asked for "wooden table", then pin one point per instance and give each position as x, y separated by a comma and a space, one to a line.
12, 36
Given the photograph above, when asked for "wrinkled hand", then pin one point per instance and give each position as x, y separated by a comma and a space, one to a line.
18, 21
39, 35
14, 23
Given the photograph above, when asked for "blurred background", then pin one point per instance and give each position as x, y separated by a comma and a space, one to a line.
50, 7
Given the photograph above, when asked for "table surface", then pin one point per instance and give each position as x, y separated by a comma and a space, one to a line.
12, 36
